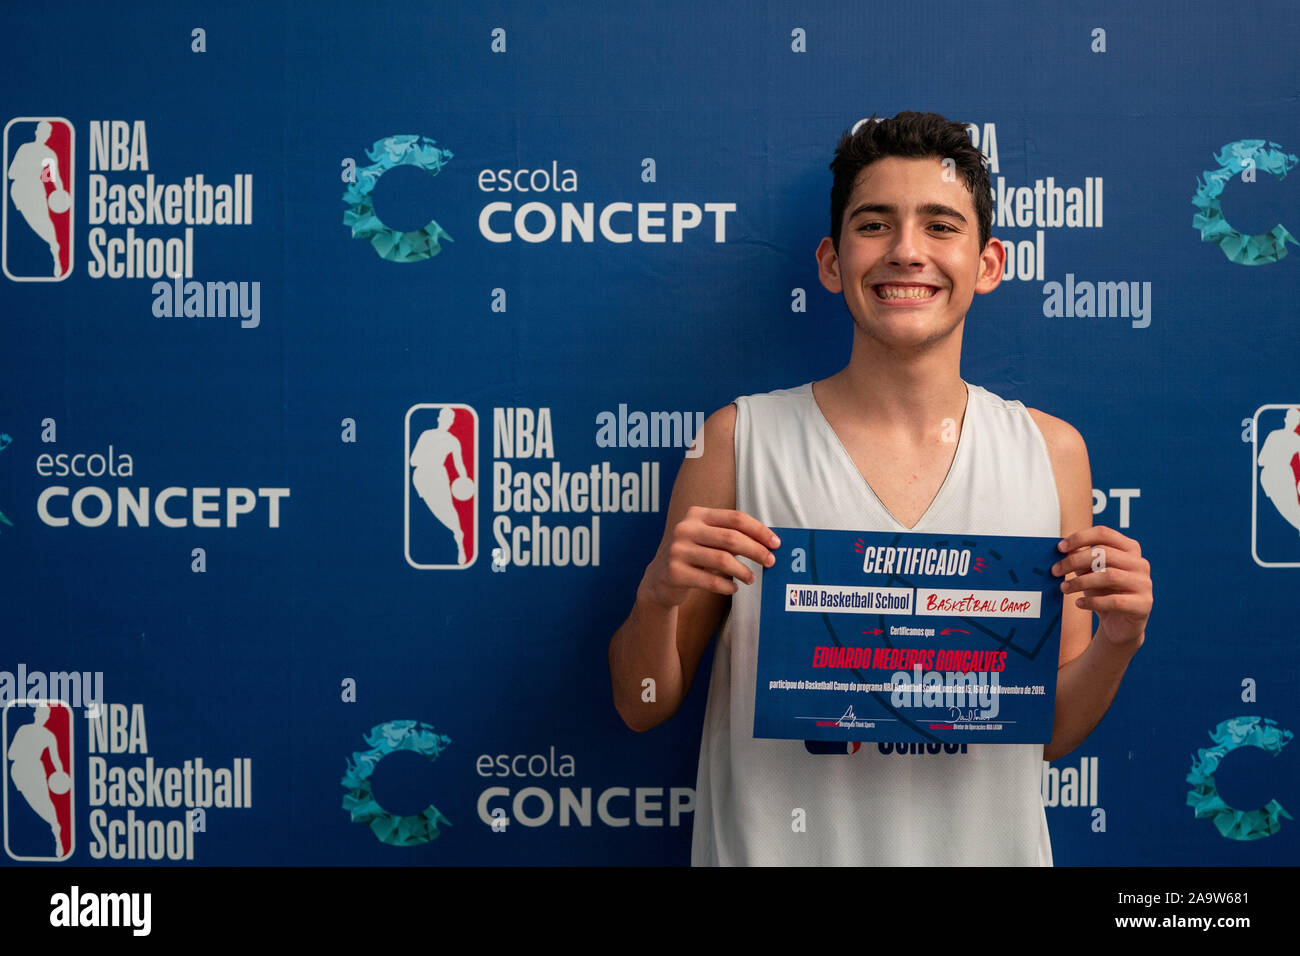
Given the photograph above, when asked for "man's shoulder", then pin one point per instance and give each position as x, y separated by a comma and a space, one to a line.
1059, 435
794, 393
1068, 454
720, 427
725, 417
1066, 449
1063, 439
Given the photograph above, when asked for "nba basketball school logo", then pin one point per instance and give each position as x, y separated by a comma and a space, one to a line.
36, 234
442, 486
38, 780
1275, 491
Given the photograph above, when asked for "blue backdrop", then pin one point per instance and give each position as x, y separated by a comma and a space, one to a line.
549, 218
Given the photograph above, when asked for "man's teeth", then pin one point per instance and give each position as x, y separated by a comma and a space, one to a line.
904, 292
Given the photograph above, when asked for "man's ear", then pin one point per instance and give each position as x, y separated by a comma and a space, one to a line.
828, 266
992, 261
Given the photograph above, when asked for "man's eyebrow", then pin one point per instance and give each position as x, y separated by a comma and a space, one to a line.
925, 209
939, 209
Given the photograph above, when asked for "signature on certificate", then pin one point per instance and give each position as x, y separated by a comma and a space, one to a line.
956, 716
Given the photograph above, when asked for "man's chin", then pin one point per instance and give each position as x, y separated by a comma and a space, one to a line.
907, 341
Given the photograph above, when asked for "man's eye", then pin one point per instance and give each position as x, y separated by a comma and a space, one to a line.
944, 226
871, 227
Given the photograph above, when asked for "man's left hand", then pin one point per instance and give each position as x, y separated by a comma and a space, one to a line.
1115, 580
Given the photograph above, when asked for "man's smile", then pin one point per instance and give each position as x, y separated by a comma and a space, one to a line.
893, 291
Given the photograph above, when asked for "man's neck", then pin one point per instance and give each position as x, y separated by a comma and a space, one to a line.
907, 397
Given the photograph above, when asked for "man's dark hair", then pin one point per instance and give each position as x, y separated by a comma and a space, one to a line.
912, 136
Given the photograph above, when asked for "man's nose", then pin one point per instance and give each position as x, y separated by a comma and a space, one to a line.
905, 249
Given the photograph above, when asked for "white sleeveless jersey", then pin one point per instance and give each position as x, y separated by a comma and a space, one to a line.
875, 807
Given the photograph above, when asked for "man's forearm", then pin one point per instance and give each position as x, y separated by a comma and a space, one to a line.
1085, 688
646, 646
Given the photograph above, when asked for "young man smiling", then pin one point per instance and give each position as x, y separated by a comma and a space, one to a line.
871, 448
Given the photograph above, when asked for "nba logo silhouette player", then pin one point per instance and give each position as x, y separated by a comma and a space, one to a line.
442, 467
33, 165
1279, 468
27, 770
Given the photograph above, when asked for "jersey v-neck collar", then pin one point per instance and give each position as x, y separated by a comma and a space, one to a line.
848, 461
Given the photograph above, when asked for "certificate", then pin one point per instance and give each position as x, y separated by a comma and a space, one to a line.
902, 637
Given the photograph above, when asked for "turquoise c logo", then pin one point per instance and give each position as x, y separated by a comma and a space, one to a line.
385, 739
1232, 159
1204, 796
404, 150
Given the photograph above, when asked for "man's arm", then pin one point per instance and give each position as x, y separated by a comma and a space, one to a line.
1105, 572
686, 590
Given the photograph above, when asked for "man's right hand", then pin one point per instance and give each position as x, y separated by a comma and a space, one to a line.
702, 551
686, 589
